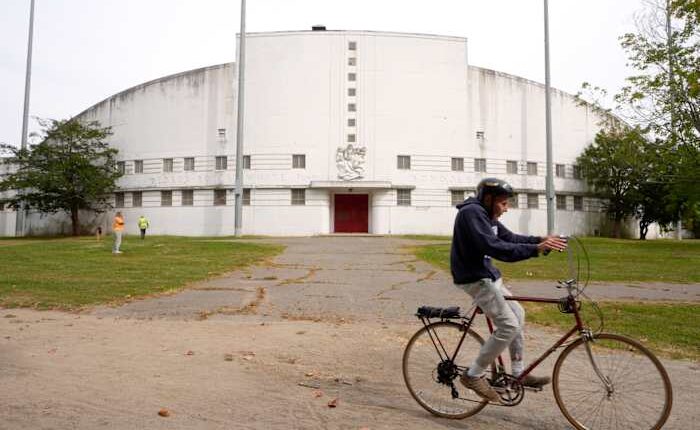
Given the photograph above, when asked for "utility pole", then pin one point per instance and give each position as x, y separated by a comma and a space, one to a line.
19, 224
239, 127
548, 120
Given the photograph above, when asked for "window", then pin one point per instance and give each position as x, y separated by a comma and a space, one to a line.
138, 166
403, 162
246, 197
121, 167
480, 165
219, 197
457, 197
2, 206
561, 202
352, 61
352, 92
403, 197
578, 203
560, 171
221, 132
167, 165
136, 199
577, 172
457, 164
119, 200
512, 167
513, 201
533, 201
221, 162
299, 161
166, 198
298, 197
351, 138
246, 161
352, 122
532, 168
187, 197
352, 46
189, 164
352, 77
480, 135
352, 107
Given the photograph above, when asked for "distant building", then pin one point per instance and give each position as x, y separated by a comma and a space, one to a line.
345, 131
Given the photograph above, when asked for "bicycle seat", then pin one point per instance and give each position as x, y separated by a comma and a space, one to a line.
432, 312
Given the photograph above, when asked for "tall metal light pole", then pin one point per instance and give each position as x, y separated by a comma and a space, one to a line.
239, 127
19, 224
548, 127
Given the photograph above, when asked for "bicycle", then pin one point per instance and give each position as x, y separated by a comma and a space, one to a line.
600, 380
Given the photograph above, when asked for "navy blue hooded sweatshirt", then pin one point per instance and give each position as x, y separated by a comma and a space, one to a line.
477, 238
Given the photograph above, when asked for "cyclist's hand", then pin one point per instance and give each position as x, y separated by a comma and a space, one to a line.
552, 243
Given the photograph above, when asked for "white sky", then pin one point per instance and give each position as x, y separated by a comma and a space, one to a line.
88, 50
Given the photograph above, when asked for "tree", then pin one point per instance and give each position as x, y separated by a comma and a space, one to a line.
664, 94
71, 169
614, 165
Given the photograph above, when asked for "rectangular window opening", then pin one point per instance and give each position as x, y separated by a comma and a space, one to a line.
403, 197
166, 198
221, 162
189, 164
136, 199
187, 197
219, 197
403, 162
480, 165
299, 161
298, 197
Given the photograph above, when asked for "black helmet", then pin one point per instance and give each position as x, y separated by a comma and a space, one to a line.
494, 187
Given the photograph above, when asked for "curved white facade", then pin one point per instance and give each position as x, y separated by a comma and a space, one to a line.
352, 107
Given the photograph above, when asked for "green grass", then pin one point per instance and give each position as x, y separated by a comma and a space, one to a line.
669, 329
613, 260
70, 273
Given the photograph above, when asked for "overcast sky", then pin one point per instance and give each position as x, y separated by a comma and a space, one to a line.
88, 50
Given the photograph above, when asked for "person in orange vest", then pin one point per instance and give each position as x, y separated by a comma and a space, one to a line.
118, 229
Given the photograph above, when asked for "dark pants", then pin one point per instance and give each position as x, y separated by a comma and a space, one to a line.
143, 233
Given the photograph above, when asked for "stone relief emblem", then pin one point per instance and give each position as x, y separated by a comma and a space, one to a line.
350, 161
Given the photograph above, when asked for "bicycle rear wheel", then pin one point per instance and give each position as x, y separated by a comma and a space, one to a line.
637, 395
431, 374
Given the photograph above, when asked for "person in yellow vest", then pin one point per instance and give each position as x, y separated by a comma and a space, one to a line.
118, 229
143, 225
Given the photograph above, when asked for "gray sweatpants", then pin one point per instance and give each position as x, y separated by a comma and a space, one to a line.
117, 241
507, 316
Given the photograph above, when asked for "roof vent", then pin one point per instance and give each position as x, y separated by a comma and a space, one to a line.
318, 27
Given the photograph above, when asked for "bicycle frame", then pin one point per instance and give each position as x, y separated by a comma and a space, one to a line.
578, 327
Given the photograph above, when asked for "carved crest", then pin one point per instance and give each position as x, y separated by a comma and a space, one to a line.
350, 161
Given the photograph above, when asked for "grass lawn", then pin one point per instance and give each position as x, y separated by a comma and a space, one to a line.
69, 273
614, 260
669, 329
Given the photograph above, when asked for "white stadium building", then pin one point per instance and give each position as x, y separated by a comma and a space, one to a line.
345, 131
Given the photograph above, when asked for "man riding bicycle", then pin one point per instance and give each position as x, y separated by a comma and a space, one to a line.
478, 237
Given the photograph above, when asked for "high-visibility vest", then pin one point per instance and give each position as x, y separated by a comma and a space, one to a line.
143, 223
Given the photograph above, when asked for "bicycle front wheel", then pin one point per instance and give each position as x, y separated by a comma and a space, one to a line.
612, 382
431, 374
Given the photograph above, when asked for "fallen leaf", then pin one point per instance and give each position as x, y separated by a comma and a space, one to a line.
164, 412
333, 403
228, 357
189, 352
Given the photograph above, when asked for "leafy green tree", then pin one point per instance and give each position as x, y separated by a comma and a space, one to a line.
71, 169
614, 165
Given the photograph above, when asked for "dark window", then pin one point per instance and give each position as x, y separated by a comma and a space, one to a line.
136, 199
351, 122
352, 77
299, 161
166, 198
246, 197
138, 166
560, 171
512, 167
119, 200
187, 197
246, 161
578, 203
352, 46
352, 61
352, 92
403, 162
577, 172
480, 165
457, 197
351, 138
121, 167
189, 164
167, 165
457, 164
532, 168
219, 197
533, 201
403, 197
561, 202
352, 107
221, 162
298, 197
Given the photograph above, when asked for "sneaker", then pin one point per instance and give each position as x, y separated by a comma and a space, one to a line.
480, 386
535, 381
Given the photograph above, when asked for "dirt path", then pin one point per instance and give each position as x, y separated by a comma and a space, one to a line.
249, 350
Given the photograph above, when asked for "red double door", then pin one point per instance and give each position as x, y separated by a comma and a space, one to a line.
351, 213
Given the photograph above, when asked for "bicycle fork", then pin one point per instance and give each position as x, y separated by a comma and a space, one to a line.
587, 340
